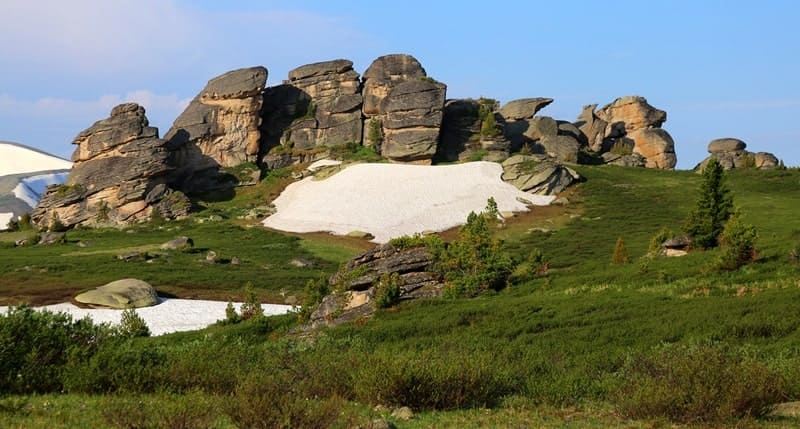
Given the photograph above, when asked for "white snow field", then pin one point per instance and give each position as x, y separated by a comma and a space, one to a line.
169, 315
18, 159
392, 200
30, 189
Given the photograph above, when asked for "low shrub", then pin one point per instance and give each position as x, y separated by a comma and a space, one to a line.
738, 244
663, 234
189, 411
696, 383
620, 255
132, 325
119, 365
387, 290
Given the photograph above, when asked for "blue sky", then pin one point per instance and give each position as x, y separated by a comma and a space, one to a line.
719, 68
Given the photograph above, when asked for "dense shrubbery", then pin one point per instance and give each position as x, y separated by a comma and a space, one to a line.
738, 244
697, 383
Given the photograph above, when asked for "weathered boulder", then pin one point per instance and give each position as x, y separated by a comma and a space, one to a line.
523, 108
656, 146
624, 159
126, 293
592, 127
564, 148
219, 128
179, 243
412, 117
357, 281
385, 73
732, 153
118, 176
320, 105
633, 112
538, 174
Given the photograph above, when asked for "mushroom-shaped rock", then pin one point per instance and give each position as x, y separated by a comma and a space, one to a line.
656, 146
125, 293
727, 144
523, 108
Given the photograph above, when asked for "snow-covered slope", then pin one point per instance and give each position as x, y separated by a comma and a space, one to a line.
19, 159
25, 173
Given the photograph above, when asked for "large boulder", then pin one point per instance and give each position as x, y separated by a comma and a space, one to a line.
538, 174
656, 146
320, 105
121, 294
357, 281
633, 113
219, 128
118, 176
412, 117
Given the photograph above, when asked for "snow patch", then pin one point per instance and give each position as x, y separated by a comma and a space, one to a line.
18, 159
170, 315
5, 218
391, 200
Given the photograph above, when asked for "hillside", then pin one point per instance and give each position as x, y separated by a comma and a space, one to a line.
576, 339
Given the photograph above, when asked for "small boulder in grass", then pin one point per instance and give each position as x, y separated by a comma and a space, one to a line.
121, 294
179, 243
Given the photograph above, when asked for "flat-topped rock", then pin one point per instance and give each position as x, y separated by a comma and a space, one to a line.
320, 69
126, 293
524, 108
241, 83
727, 144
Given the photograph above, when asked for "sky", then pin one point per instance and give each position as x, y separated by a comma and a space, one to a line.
719, 68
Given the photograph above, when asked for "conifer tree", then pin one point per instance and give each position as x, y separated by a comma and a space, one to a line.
714, 206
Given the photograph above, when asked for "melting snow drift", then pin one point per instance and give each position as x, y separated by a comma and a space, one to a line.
391, 200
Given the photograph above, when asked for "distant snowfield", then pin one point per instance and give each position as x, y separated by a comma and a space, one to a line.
392, 200
30, 189
170, 315
18, 159
4, 219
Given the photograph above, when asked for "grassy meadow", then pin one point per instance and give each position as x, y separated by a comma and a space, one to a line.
654, 342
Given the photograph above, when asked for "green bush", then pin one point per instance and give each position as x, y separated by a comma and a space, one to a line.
738, 244
713, 208
251, 307
432, 381
36, 345
193, 410
387, 290
663, 234
314, 292
122, 365
697, 383
132, 325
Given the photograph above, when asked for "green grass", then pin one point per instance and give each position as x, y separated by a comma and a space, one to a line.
547, 350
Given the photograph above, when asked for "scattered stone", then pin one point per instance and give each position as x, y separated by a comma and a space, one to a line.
235, 261
180, 243
381, 424
48, 238
211, 257
676, 246
403, 413
85, 244
126, 293
132, 256
301, 263
360, 234
560, 201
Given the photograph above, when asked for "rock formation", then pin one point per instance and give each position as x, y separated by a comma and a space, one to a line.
118, 176
320, 105
732, 153
358, 279
461, 128
631, 119
385, 73
121, 294
411, 120
538, 174
219, 128
592, 127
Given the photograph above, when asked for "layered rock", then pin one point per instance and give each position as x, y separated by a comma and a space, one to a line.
118, 176
320, 105
467, 133
732, 153
385, 73
358, 279
592, 127
411, 121
219, 128
538, 174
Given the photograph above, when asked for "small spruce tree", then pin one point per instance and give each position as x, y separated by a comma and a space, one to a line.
132, 325
251, 307
620, 255
714, 207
